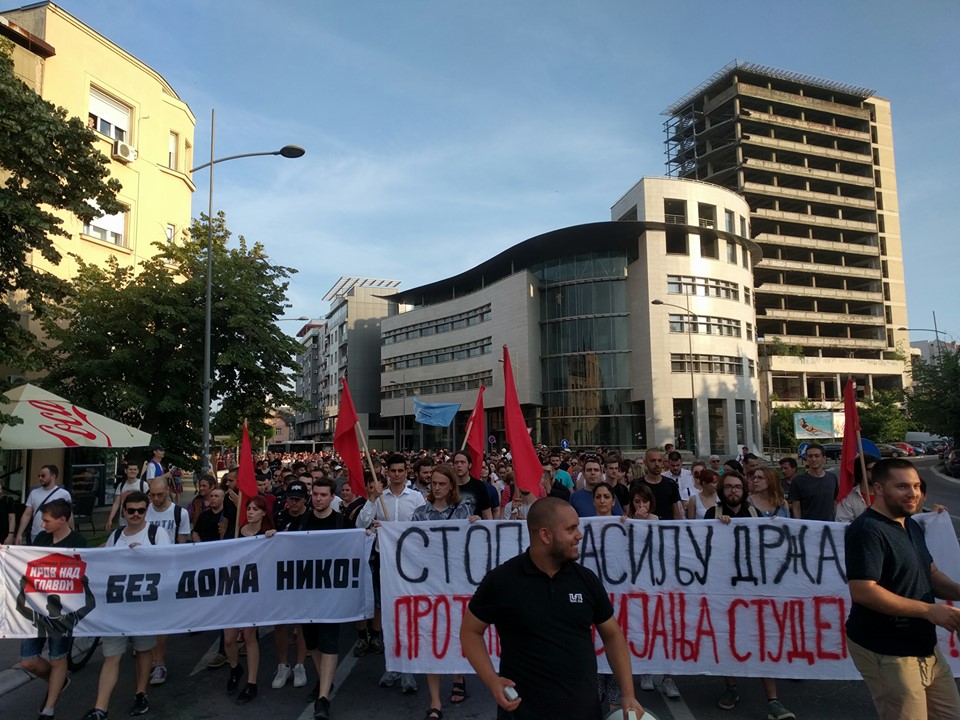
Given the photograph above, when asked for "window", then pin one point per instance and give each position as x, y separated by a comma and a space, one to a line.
708, 246
108, 116
746, 257
749, 331
676, 242
746, 295
731, 252
172, 151
743, 226
704, 287
708, 215
674, 211
108, 228
729, 221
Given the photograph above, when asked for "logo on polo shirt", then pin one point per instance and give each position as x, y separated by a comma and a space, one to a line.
576, 597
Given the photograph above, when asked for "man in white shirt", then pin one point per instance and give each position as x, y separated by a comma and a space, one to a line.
396, 503
137, 532
32, 518
681, 476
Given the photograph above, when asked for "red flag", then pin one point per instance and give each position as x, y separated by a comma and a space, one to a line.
475, 437
246, 478
851, 426
345, 441
526, 464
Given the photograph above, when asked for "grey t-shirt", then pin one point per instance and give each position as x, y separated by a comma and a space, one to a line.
817, 496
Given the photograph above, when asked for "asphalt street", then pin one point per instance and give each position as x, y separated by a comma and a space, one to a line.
193, 692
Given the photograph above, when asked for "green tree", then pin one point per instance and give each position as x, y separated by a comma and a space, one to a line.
48, 162
933, 401
130, 345
882, 418
779, 429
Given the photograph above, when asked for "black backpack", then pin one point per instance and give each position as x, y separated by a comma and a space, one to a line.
559, 490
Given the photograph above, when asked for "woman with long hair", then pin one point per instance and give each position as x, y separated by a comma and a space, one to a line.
443, 503
707, 498
258, 522
766, 493
641, 504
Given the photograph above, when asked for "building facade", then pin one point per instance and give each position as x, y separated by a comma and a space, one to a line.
596, 361
345, 344
814, 159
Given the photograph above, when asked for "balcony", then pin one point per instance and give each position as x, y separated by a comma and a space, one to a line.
822, 317
814, 173
809, 243
806, 148
783, 121
818, 197
803, 101
820, 220
835, 342
815, 292
823, 268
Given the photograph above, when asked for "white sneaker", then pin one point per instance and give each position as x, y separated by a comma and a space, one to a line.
280, 679
670, 688
299, 675
646, 682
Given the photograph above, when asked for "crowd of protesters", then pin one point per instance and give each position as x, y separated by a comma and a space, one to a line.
311, 491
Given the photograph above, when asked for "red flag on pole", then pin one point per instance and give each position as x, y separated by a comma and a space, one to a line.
345, 441
475, 437
851, 429
246, 478
526, 465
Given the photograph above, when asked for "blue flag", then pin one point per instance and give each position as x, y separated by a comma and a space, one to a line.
439, 414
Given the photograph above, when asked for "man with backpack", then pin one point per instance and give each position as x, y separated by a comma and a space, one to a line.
174, 522
137, 532
31, 522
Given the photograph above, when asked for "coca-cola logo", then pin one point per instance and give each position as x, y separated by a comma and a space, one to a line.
57, 574
67, 423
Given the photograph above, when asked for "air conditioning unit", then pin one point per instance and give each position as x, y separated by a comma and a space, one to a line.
123, 152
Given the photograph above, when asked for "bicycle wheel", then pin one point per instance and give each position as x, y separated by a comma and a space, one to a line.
81, 650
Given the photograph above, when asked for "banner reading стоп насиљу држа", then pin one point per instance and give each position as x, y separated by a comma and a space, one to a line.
758, 597
289, 578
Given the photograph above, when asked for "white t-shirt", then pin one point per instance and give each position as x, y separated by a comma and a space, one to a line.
37, 497
684, 483
167, 521
137, 485
140, 538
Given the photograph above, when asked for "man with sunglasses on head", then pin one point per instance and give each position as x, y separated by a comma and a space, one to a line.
31, 523
137, 532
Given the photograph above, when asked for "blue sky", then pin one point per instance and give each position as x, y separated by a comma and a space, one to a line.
441, 132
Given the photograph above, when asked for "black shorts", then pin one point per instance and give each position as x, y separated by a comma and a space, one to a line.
324, 637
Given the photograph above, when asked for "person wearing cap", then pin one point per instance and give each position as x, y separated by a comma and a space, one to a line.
291, 519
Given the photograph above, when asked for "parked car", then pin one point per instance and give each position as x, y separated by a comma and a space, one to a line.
907, 448
920, 447
953, 464
887, 450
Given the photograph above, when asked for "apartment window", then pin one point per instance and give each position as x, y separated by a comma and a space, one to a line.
675, 211
746, 295
888, 314
730, 221
108, 116
883, 245
743, 226
876, 156
108, 228
885, 268
749, 331
708, 246
739, 414
879, 201
880, 224
873, 134
676, 242
171, 232
746, 257
172, 151
876, 178
708, 215
731, 252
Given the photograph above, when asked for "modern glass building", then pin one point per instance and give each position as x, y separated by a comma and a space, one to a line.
597, 360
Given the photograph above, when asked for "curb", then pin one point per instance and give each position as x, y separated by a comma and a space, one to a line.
13, 678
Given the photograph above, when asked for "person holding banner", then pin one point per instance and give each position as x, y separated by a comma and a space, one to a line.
544, 605
258, 522
894, 583
443, 503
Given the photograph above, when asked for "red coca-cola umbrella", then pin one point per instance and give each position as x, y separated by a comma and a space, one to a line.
49, 421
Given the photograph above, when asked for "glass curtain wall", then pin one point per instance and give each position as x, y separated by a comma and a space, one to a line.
584, 325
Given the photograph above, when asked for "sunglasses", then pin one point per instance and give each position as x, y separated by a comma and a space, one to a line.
135, 511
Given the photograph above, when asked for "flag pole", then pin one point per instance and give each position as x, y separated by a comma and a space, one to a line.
236, 525
466, 435
373, 472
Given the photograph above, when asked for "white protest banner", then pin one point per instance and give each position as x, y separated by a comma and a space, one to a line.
758, 597
289, 578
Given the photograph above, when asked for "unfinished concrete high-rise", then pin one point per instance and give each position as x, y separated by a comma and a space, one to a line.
814, 159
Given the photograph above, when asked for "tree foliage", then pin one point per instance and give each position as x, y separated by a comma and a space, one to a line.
779, 429
130, 345
933, 401
882, 418
48, 163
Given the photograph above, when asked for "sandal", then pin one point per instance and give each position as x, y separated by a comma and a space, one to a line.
459, 692
433, 714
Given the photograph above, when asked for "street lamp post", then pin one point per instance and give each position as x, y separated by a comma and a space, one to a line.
934, 330
693, 395
287, 151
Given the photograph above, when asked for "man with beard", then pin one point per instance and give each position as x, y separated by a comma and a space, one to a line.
544, 605
733, 500
893, 581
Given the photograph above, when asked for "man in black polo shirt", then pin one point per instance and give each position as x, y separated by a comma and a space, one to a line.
544, 604
893, 582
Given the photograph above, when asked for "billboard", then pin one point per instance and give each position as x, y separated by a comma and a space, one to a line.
818, 425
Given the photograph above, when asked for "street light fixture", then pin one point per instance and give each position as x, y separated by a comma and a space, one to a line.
934, 330
693, 395
287, 151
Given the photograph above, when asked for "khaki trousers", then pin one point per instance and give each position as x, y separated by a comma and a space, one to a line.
908, 688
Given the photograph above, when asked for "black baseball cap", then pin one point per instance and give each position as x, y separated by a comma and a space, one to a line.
296, 489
